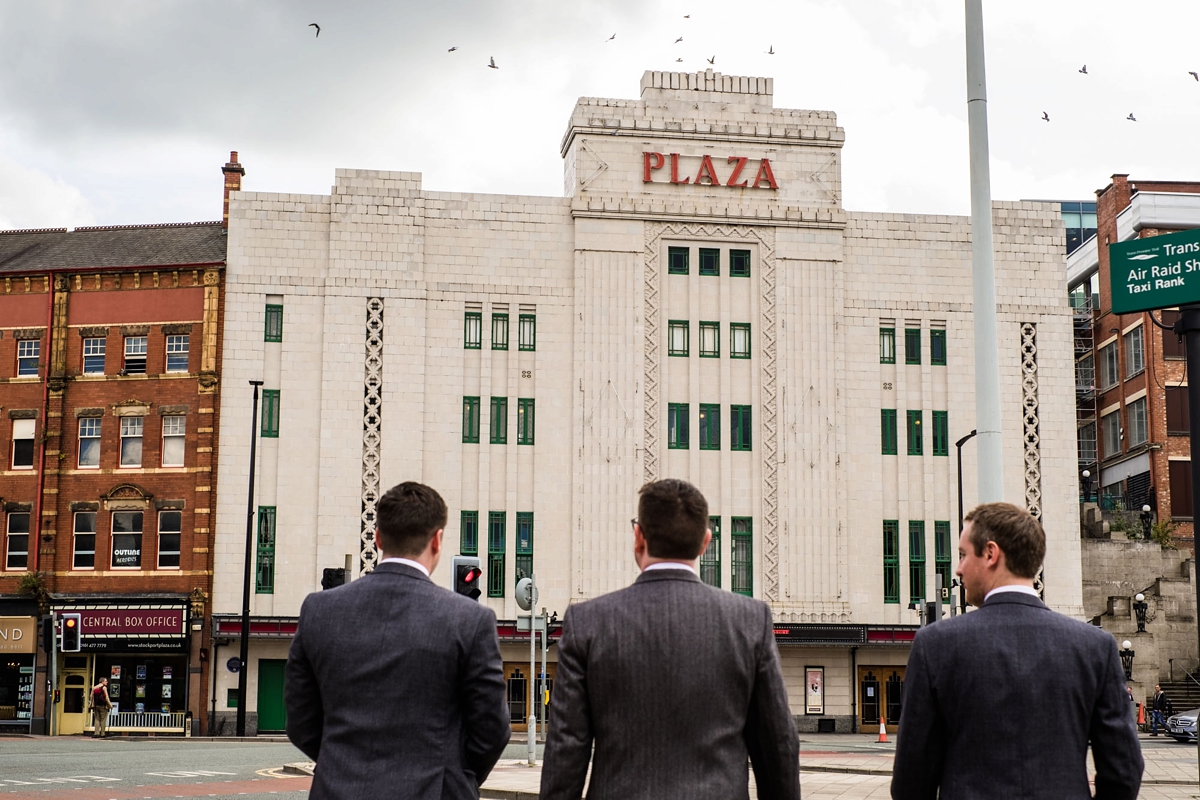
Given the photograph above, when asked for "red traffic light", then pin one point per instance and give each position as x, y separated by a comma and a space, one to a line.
471, 575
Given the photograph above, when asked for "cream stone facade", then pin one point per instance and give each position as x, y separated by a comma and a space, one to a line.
379, 281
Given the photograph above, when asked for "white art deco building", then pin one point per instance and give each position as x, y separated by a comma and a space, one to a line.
698, 305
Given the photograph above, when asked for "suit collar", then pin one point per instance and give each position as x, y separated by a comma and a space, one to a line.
668, 575
1020, 598
402, 570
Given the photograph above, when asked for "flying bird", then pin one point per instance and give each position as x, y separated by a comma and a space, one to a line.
1131, 117
679, 61
771, 50
492, 62
711, 60
1194, 75
1083, 69
315, 25
612, 37
1045, 116
680, 39
687, 16
452, 49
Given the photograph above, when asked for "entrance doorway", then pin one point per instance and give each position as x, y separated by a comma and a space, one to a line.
880, 696
72, 709
272, 715
520, 698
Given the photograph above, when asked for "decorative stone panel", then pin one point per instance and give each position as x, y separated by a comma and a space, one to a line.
372, 431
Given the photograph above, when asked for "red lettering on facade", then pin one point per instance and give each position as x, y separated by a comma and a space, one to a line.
737, 171
650, 162
764, 172
675, 170
707, 172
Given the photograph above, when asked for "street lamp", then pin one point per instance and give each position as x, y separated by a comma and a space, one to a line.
1127, 659
1087, 485
959, 444
244, 655
1139, 609
1146, 517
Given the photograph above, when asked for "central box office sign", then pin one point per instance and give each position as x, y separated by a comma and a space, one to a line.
131, 628
1155, 272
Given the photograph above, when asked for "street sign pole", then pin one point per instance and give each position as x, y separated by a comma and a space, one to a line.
1189, 325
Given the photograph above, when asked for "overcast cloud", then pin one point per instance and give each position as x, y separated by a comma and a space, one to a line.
123, 111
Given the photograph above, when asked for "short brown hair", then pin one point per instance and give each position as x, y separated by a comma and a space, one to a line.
1015, 531
673, 516
407, 517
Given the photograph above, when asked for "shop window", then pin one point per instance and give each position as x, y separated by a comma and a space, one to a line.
937, 347
127, 540
468, 533
677, 426
527, 332
524, 563
174, 433
131, 441
177, 352
912, 345
28, 351
22, 445
710, 261
145, 683
710, 559
740, 437
887, 426
470, 424
916, 561
739, 263
17, 541
135, 355
677, 260
264, 580
710, 426
710, 340
84, 552
89, 442
472, 330
742, 551
887, 345
891, 561
498, 424
93, 356
525, 420
270, 414
916, 442
499, 331
739, 340
170, 534
496, 553
677, 337
273, 325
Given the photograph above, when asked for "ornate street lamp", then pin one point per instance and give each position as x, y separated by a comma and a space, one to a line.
1127, 659
1139, 609
1146, 519
1087, 484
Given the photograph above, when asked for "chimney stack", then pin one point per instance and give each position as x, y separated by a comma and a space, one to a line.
233, 183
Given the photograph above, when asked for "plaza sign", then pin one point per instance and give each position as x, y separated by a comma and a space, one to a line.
1155, 272
706, 172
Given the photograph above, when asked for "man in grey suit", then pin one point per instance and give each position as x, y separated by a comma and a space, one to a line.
395, 686
1002, 702
673, 682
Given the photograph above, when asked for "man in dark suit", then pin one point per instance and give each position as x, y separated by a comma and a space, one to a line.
1003, 702
673, 682
395, 686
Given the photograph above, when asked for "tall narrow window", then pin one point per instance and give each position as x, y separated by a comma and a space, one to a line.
1135, 352
677, 261
170, 532
93, 356
1110, 431
131, 441
916, 444
470, 425
270, 414
84, 549
710, 261
740, 428
264, 576
1139, 427
527, 332
710, 559
89, 442
499, 331
937, 347
135, 355
127, 540
912, 345
710, 340
941, 433
739, 263
28, 351
1172, 343
525, 418
887, 347
1109, 369
710, 426
22, 443
1087, 443
496, 534
941, 552
472, 330
468, 533
891, 561
498, 431
739, 340
177, 353
916, 561
741, 562
174, 434
273, 326
677, 337
677, 426
524, 564
1178, 419
17, 544
887, 426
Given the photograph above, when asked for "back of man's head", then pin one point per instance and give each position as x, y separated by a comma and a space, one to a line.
1015, 531
673, 516
407, 517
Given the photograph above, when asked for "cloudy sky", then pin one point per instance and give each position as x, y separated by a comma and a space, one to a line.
122, 111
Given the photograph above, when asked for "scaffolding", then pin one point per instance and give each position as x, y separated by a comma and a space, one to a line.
1086, 396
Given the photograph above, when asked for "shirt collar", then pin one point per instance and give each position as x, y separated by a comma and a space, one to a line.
671, 565
408, 562
1029, 590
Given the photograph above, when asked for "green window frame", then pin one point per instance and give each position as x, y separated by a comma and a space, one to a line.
264, 573
270, 414
710, 426
473, 330
677, 260
710, 559
677, 426
678, 337
941, 433
891, 561
527, 332
498, 421
916, 561
740, 430
941, 552
496, 550
916, 441
912, 345
710, 339
499, 331
525, 420
524, 561
739, 263
937, 347
273, 323
741, 562
887, 348
710, 261
887, 427
739, 340
470, 421
468, 533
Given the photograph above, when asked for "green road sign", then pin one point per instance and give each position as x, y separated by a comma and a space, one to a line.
1155, 272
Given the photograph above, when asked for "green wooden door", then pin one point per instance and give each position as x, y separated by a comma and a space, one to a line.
272, 716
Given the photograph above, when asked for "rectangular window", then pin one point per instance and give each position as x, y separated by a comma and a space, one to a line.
22, 443
174, 433
135, 355
912, 345
84, 556
710, 559
710, 426
273, 326
740, 437
1085, 373
677, 260
264, 575
710, 340
1172, 343
741, 563
28, 351
470, 425
524, 562
710, 261
177, 353
499, 331
891, 561
18, 541
525, 418
739, 263
739, 340
1109, 370
89, 442
941, 433
887, 347
1139, 429
496, 533
916, 444
941, 552
126, 540
887, 426
170, 534
1135, 352
937, 348
472, 330
1180, 473
916, 561
1087, 443
131, 441
468, 533
1178, 420
270, 414
498, 422
677, 337
527, 332
93, 356
677, 426
1110, 430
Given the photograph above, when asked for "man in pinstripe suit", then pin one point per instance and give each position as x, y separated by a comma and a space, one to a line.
669, 686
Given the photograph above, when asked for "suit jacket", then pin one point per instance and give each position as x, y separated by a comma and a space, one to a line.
395, 687
676, 684
1002, 702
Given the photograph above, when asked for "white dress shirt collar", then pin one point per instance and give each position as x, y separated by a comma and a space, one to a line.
408, 562
671, 565
1011, 588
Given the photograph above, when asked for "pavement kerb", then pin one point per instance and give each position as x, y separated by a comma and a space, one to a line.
300, 768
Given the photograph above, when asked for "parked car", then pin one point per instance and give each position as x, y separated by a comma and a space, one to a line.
1182, 726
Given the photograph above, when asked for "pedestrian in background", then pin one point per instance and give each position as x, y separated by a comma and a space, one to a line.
1160, 710
101, 706
979, 688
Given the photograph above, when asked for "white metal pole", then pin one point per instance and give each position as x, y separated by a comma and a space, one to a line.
987, 356
531, 724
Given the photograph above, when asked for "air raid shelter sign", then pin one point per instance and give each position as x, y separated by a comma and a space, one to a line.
1155, 272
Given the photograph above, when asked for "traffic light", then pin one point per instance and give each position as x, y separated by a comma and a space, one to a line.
70, 633
332, 577
467, 576
48, 633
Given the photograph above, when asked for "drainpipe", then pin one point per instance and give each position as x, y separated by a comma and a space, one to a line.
41, 481
854, 690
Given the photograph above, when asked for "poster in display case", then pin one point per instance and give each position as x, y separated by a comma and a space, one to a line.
115, 673
141, 691
114, 691
141, 672
168, 673
814, 690
166, 691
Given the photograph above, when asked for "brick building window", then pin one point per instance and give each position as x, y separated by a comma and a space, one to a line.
887, 426
470, 423
527, 332
937, 349
1139, 428
677, 260
739, 263
740, 431
89, 442
498, 428
28, 351
524, 562
1110, 431
17, 541
710, 340
1109, 369
1173, 345
472, 330
710, 426
170, 533
1135, 352
273, 323
174, 432
525, 420
22, 443
916, 440
264, 574
710, 261
891, 561
742, 551
739, 340
916, 561
912, 345
677, 337
1181, 489
710, 559
468, 533
1178, 421
677, 426
499, 331
131, 441
135, 355
84, 550
93, 356
126, 540
177, 352
887, 345
496, 553
941, 433
270, 414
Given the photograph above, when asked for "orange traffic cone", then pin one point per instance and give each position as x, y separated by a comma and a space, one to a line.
882, 731
1141, 713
